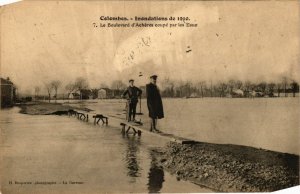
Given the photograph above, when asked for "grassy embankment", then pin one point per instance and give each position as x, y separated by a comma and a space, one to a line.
43, 108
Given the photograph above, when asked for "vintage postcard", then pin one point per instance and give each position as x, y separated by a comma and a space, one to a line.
149, 96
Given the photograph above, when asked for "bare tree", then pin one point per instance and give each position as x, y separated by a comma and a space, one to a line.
278, 88
201, 85
238, 84
179, 88
55, 85
188, 89
222, 87
262, 86
117, 87
231, 84
211, 88
165, 83
94, 92
248, 86
103, 85
167, 87
270, 89
294, 87
70, 88
80, 84
285, 83
37, 90
48, 87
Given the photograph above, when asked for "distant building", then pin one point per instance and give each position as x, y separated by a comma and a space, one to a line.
8, 93
193, 95
237, 93
101, 93
257, 94
74, 95
104, 93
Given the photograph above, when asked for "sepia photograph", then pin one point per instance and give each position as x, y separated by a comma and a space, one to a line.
159, 96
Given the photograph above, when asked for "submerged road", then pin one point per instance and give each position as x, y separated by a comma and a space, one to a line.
57, 154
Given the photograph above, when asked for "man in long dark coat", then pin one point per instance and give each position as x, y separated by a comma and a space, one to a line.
154, 102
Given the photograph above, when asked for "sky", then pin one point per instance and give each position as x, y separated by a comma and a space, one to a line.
251, 40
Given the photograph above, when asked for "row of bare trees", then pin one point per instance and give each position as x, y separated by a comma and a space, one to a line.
172, 88
78, 86
54, 85
50, 86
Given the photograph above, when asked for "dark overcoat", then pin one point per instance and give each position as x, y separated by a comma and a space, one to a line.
154, 102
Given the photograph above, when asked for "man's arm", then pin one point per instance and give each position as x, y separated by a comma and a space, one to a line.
125, 93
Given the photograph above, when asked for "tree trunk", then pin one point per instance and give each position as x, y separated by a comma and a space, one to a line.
55, 96
201, 91
285, 94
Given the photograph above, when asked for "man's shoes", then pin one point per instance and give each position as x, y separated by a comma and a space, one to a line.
154, 130
157, 130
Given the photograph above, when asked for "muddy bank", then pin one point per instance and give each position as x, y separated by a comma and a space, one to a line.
42, 108
230, 168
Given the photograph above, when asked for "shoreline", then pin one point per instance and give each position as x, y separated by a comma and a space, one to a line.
44, 108
220, 167
230, 168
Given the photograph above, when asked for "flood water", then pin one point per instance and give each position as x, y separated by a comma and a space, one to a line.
64, 150
268, 123
60, 149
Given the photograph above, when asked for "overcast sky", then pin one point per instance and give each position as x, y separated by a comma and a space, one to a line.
42, 41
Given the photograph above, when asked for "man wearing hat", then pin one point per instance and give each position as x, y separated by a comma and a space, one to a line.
133, 95
154, 102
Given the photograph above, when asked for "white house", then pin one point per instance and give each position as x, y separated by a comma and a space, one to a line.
74, 95
238, 92
102, 94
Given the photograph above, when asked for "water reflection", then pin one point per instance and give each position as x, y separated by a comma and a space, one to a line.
155, 176
5, 118
132, 161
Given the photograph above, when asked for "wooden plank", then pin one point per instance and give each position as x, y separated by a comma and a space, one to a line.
101, 117
131, 123
136, 126
166, 136
82, 116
